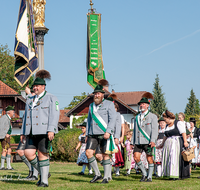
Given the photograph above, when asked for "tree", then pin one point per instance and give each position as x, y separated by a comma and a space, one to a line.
158, 105
7, 64
192, 106
76, 100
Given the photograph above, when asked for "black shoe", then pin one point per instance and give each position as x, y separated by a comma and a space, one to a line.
149, 180
198, 177
10, 168
104, 180
154, 175
81, 173
29, 175
49, 175
39, 182
137, 172
3, 168
109, 178
43, 185
33, 178
127, 174
143, 179
96, 178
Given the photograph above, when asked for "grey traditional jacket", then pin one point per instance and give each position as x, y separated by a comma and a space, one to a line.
150, 125
4, 126
108, 114
43, 117
118, 126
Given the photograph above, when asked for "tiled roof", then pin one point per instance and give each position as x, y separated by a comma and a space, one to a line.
130, 98
63, 118
6, 90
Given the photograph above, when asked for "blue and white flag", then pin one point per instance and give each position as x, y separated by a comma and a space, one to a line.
26, 55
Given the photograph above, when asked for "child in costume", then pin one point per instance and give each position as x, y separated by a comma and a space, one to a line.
191, 143
158, 153
130, 162
82, 158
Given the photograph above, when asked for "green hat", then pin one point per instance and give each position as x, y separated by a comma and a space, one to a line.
144, 100
187, 132
39, 81
161, 119
110, 99
84, 123
8, 108
99, 88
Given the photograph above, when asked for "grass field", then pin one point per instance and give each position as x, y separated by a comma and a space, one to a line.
64, 176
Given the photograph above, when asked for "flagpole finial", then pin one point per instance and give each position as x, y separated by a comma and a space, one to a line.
92, 9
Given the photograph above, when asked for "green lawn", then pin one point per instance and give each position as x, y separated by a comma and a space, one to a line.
64, 176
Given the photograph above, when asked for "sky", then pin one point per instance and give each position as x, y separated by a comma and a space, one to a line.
140, 38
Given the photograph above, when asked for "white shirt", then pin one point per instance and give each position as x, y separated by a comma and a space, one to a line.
37, 98
180, 126
141, 115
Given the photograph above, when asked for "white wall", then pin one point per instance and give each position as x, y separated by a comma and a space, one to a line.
15, 131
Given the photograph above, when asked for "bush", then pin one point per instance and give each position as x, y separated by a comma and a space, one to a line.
64, 145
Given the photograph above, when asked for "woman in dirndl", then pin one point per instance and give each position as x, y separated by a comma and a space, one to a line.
159, 151
194, 130
173, 165
82, 158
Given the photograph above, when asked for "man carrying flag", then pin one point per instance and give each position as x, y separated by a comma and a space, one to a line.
26, 63
99, 131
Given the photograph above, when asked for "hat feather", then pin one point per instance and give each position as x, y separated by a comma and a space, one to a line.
148, 95
44, 74
113, 96
103, 82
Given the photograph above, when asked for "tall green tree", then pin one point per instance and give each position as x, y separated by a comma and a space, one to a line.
158, 105
76, 100
7, 64
192, 106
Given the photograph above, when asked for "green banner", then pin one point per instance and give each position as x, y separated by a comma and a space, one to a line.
94, 50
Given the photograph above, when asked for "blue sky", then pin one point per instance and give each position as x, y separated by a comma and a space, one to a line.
139, 40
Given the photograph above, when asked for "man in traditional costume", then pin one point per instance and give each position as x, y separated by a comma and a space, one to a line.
144, 138
99, 131
5, 131
41, 124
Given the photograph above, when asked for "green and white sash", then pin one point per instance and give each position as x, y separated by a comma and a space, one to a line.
110, 146
144, 133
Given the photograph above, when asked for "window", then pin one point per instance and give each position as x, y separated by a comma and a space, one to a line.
0, 103
21, 113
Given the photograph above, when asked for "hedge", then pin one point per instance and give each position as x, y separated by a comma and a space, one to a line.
64, 145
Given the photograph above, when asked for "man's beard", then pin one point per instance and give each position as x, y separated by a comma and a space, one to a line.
97, 101
142, 109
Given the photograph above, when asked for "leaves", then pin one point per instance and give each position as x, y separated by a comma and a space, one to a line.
76, 100
7, 64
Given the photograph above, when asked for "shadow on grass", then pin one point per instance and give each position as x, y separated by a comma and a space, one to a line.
73, 180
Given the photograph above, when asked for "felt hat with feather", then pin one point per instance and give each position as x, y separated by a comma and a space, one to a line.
41, 75
100, 86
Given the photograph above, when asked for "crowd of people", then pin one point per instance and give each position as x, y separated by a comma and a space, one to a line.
155, 147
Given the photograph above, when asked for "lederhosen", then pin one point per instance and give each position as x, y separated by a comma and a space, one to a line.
96, 142
184, 168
